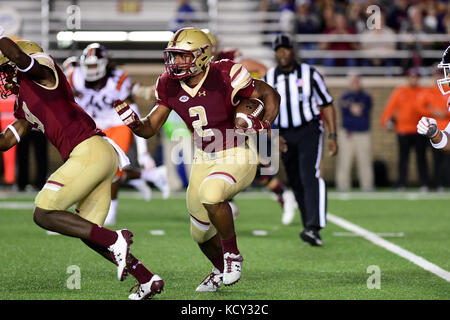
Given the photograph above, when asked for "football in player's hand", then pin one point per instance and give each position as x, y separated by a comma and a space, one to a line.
246, 107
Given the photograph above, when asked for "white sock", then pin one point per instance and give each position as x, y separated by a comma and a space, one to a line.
112, 213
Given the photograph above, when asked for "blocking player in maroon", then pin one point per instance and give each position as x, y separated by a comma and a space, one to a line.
205, 96
45, 101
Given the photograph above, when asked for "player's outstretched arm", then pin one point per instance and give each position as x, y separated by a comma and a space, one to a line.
13, 133
146, 127
25, 63
270, 97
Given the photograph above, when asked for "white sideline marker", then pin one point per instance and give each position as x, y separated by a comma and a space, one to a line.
380, 234
260, 233
372, 237
157, 232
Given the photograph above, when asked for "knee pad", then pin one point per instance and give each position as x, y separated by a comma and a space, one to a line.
213, 191
47, 199
201, 233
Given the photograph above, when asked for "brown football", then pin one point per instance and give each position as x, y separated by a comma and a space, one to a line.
252, 106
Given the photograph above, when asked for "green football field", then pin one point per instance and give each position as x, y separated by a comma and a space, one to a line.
369, 263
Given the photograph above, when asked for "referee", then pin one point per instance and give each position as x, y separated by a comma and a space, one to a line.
303, 96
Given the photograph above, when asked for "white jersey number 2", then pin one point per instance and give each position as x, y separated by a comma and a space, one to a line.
200, 122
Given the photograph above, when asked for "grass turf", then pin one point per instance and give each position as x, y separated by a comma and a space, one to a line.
278, 266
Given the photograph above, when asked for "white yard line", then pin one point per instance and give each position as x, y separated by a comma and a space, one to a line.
15, 205
380, 234
372, 237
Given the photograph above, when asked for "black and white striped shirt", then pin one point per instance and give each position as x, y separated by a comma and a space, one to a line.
303, 92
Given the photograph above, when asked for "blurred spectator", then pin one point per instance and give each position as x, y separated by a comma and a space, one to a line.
433, 104
341, 28
356, 17
416, 27
185, 15
380, 40
398, 16
308, 22
287, 16
416, 22
402, 112
430, 19
354, 137
444, 21
328, 21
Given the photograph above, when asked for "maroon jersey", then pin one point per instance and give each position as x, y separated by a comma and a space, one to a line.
208, 109
54, 111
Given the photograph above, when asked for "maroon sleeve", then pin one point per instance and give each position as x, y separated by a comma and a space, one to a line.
247, 91
160, 91
18, 112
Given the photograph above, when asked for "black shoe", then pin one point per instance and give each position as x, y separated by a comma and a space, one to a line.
312, 237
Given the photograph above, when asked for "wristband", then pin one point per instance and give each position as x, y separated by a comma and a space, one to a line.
332, 136
27, 68
14, 131
441, 143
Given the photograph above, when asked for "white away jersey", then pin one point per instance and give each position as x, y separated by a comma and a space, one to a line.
100, 104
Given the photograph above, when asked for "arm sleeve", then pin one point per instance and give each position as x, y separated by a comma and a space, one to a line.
160, 92
241, 81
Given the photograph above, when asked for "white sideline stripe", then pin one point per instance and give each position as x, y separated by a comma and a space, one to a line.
372, 237
16, 205
380, 234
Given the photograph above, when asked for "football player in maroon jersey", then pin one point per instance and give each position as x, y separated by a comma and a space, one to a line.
284, 196
45, 101
205, 95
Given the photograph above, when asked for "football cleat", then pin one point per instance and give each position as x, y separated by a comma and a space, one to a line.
146, 291
120, 252
312, 237
289, 206
232, 268
211, 282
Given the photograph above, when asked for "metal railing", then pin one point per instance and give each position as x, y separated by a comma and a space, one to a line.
250, 31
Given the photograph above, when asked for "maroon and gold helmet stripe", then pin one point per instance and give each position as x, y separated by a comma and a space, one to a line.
175, 38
